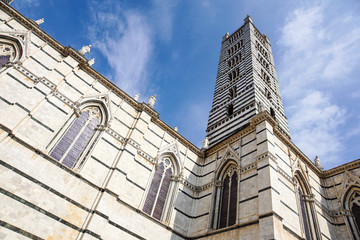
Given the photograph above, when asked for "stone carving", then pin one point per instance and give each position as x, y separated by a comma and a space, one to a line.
91, 62
136, 97
176, 129
260, 107
7, 49
355, 200
84, 50
205, 143
151, 101
39, 21
23, 37
318, 163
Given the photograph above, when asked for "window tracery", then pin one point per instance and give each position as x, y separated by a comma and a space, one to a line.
355, 208
7, 53
306, 209
228, 200
304, 214
74, 141
352, 207
158, 192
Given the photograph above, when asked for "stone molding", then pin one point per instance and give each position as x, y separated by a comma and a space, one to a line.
285, 175
342, 168
23, 37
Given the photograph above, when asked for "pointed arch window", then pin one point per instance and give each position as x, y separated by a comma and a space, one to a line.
228, 199
74, 141
352, 204
355, 208
157, 196
306, 209
304, 214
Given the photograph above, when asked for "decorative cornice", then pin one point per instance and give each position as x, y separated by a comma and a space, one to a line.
229, 140
342, 168
146, 156
263, 116
285, 175
246, 130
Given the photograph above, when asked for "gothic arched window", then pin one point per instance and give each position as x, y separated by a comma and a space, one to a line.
304, 214
228, 199
352, 204
355, 208
157, 196
306, 209
78, 135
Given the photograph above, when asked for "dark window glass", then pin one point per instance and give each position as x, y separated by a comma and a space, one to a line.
81, 143
156, 198
159, 207
4, 60
233, 200
69, 136
356, 210
150, 199
305, 219
228, 203
230, 109
224, 203
74, 141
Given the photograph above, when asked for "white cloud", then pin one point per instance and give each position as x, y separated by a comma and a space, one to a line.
313, 121
321, 52
320, 49
19, 5
125, 39
162, 18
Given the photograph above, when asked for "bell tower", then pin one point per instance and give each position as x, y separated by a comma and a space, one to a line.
246, 84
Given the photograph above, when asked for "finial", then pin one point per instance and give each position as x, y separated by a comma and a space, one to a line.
84, 50
176, 129
205, 143
39, 21
226, 36
151, 101
7, 1
248, 19
318, 163
91, 62
136, 97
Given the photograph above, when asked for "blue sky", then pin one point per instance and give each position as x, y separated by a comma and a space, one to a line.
171, 48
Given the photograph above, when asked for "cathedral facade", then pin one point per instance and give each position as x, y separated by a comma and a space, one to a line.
81, 159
